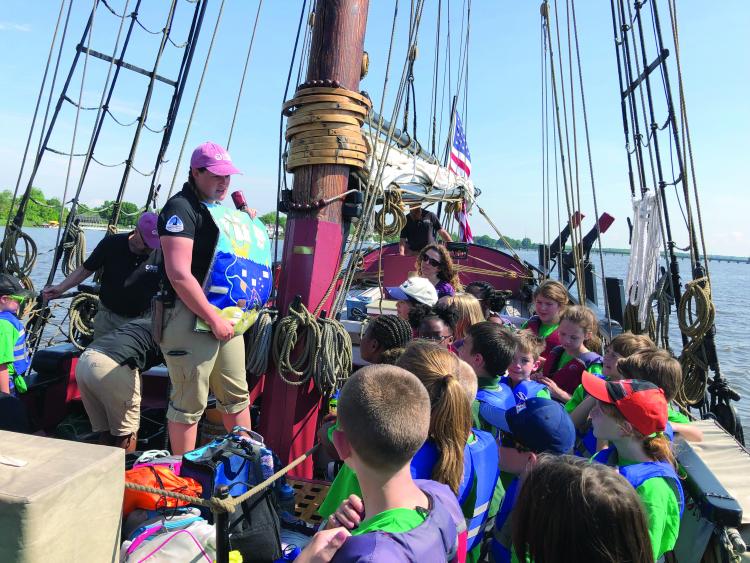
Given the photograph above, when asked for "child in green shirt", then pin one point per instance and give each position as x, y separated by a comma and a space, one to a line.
14, 360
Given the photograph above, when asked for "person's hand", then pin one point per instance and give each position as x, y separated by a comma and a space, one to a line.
51, 292
555, 390
323, 546
222, 328
252, 212
349, 514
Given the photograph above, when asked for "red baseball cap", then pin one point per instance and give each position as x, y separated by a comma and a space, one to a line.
641, 402
214, 158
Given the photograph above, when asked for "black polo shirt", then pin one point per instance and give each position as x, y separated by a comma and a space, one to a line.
183, 215
128, 280
421, 232
131, 344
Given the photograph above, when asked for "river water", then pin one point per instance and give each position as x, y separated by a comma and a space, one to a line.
730, 282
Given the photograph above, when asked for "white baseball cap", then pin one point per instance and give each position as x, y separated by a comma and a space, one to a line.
419, 289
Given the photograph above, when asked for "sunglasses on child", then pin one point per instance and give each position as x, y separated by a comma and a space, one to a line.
432, 261
20, 299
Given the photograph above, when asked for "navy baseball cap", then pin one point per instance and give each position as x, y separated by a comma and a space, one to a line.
10, 285
542, 425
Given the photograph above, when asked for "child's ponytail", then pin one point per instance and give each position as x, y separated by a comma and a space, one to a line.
659, 448
450, 425
450, 409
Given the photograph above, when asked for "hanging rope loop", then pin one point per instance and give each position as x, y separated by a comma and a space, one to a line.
83, 309
393, 208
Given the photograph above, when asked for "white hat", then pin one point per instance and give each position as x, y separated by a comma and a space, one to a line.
419, 289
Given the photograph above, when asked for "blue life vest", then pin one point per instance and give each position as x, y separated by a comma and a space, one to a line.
239, 280
501, 542
481, 473
638, 473
524, 390
20, 354
492, 406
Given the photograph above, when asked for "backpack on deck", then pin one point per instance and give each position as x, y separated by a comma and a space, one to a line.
238, 464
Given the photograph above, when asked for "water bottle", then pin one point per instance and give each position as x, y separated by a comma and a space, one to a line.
287, 503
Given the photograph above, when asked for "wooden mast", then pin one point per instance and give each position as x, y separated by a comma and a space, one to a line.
313, 240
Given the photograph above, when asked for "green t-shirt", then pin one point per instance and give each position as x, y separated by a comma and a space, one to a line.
544, 329
662, 512
8, 338
344, 484
575, 399
395, 520
676, 416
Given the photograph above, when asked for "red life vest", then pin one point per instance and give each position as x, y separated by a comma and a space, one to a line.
568, 377
534, 324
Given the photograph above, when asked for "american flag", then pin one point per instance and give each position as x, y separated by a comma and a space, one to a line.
460, 162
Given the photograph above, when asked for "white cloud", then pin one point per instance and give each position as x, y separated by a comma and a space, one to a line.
12, 26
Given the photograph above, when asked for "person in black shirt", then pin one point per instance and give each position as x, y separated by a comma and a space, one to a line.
107, 374
421, 228
199, 361
130, 275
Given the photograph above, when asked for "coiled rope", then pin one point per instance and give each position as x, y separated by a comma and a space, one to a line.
325, 354
74, 249
258, 344
15, 263
324, 126
82, 311
695, 322
393, 207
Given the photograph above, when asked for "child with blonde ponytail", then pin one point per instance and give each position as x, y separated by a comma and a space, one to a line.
631, 414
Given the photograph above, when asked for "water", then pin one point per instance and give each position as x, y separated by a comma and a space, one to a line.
729, 282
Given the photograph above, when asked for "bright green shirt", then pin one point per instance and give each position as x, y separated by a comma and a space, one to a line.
544, 329
662, 512
345, 484
676, 416
567, 358
8, 338
575, 399
395, 520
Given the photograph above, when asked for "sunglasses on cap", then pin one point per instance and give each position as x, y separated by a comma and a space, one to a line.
508, 441
432, 261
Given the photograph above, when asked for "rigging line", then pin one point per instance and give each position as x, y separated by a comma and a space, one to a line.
244, 74
573, 231
694, 254
144, 28
687, 143
545, 208
435, 71
106, 5
578, 204
195, 100
100, 163
591, 165
36, 110
281, 175
76, 105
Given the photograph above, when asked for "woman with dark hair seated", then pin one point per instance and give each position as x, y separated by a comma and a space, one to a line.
435, 264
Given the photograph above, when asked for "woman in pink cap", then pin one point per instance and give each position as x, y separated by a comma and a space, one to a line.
198, 361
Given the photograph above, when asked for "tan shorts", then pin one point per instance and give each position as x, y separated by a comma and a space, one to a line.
110, 392
198, 362
106, 321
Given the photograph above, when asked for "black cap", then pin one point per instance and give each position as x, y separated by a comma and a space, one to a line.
9, 285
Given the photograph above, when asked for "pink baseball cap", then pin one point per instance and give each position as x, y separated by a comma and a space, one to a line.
147, 228
214, 158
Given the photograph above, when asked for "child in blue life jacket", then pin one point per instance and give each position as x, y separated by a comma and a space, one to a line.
550, 300
14, 359
526, 361
631, 414
565, 364
489, 349
572, 510
384, 418
441, 457
536, 426
580, 404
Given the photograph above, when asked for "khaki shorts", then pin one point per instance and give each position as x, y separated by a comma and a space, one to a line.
110, 392
106, 321
198, 362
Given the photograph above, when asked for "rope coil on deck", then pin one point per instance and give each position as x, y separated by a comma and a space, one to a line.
324, 126
695, 323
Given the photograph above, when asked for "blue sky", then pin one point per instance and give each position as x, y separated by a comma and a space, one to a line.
503, 122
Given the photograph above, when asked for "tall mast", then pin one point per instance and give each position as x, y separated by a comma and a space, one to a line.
313, 241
